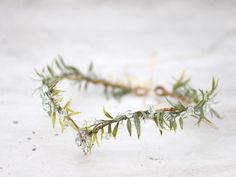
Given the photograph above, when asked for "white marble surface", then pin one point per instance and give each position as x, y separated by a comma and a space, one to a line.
120, 37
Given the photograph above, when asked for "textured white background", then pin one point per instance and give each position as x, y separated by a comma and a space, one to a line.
135, 38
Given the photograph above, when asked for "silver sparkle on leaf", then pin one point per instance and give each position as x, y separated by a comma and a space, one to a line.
83, 140
167, 116
184, 114
129, 114
63, 113
44, 96
190, 110
151, 109
45, 89
47, 106
78, 140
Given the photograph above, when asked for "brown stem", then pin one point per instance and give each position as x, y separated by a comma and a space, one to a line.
103, 124
139, 91
168, 109
73, 122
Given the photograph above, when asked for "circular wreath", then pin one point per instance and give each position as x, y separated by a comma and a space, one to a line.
190, 103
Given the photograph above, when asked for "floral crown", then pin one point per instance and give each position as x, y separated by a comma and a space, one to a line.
190, 103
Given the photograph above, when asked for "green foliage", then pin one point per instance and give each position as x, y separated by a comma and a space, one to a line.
64, 113
182, 90
129, 127
114, 133
167, 119
137, 125
59, 70
106, 113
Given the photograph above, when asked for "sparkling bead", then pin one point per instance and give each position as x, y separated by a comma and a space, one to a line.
78, 141
129, 114
84, 141
64, 113
190, 110
84, 148
47, 106
45, 89
44, 96
184, 114
82, 133
151, 109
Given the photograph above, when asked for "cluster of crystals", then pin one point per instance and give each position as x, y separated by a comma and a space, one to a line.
151, 110
83, 140
46, 100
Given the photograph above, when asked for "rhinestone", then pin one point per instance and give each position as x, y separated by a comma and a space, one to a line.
151, 109
64, 113
78, 141
45, 89
83, 140
129, 114
46, 106
84, 148
183, 115
82, 133
44, 96
190, 110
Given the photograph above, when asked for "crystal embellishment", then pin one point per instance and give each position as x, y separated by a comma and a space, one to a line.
78, 140
64, 113
44, 96
184, 114
151, 109
129, 114
45, 89
190, 111
47, 106
46, 101
83, 140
